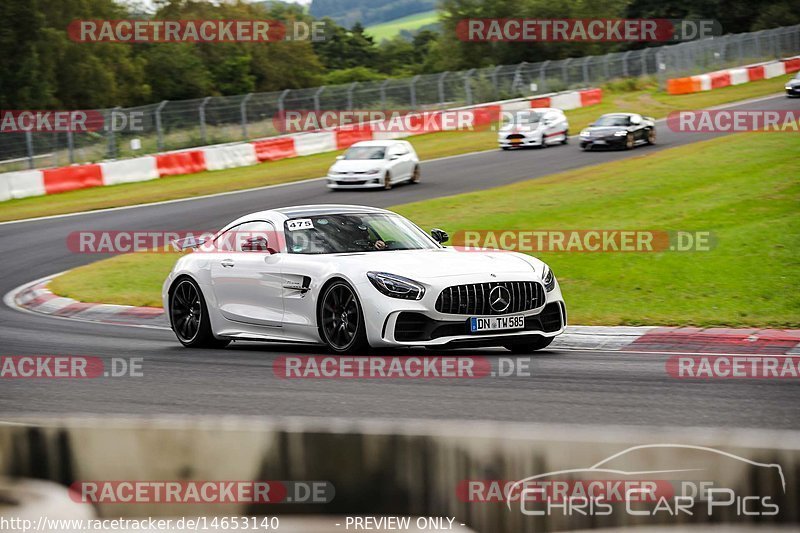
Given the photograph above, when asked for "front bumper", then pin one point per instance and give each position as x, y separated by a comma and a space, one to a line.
610, 141
794, 91
519, 141
393, 322
360, 182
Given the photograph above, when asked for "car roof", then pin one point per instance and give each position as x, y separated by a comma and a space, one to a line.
326, 209
619, 114
387, 142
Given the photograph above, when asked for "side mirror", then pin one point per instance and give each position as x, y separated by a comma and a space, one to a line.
591, 124
439, 235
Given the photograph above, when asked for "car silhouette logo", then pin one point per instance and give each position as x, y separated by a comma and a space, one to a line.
499, 299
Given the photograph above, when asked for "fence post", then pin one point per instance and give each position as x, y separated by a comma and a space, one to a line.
413, 92
440, 82
383, 94
202, 113
112, 142
625, 63
467, 86
159, 130
495, 85
585, 68
564, 72
517, 76
644, 62
281, 98
350, 90
243, 112
316, 98
542, 82
29, 148
70, 147
606, 70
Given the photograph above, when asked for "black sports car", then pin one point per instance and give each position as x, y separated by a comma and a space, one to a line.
793, 86
619, 130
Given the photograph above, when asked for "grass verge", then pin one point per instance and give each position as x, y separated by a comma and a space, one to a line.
392, 28
645, 100
742, 188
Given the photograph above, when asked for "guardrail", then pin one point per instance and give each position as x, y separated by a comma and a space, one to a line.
413, 468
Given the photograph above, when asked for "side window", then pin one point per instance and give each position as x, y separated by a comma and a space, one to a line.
254, 236
399, 149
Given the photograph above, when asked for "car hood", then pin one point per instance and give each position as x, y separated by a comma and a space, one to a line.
510, 128
358, 165
793, 83
605, 130
424, 265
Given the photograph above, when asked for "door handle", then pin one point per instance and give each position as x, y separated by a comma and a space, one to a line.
227, 263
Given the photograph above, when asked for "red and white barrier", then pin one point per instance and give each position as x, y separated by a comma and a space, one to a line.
176, 163
315, 143
51, 181
230, 156
129, 170
23, 183
736, 76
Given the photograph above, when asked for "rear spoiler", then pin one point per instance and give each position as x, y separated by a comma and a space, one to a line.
188, 242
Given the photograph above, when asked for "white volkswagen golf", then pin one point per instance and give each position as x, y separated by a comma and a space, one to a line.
375, 164
351, 277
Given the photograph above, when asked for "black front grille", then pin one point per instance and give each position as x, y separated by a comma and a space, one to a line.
473, 299
412, 326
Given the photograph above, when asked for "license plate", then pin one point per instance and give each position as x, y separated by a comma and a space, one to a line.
516, 141
496, 323
599, 142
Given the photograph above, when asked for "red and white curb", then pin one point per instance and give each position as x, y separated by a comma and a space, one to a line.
35, 297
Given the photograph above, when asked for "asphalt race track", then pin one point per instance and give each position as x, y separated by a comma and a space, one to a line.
568, 387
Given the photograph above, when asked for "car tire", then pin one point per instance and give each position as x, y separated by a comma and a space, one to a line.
651, 137
341, 319
415, 176
387, 181
188, 316
585, 147
629, 142
566, 138
528, 346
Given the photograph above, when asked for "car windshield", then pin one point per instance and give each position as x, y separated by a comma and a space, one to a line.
362, 232
527, 117
365, 152
613, 120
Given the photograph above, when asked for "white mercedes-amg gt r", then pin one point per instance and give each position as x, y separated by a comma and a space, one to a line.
351, 277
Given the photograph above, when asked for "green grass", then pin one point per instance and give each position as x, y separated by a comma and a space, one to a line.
389, 29
742, 188
647, 101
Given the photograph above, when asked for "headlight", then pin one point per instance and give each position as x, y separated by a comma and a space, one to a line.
585, 133
373, 170
788, 87
396, 286
620, 133
549, 279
